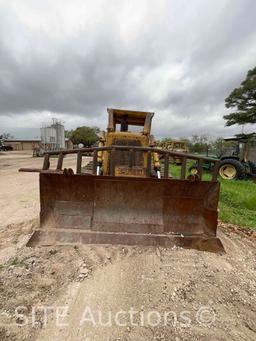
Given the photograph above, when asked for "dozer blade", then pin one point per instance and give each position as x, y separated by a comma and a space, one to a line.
84, 209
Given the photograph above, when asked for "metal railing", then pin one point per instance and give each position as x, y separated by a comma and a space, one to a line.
164, 154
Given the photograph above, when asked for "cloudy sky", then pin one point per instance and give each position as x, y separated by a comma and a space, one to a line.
71, 59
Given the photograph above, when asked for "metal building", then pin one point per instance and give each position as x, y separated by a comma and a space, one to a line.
53, 136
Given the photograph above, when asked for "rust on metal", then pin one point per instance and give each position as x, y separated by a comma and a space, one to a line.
79, 163
200, 168
46, 163
31, 170
215, 170
166, 166
60, 162
183, 168
173, 212
82, 208
64, 237
95, 160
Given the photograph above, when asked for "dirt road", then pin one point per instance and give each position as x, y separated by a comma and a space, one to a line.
116, 293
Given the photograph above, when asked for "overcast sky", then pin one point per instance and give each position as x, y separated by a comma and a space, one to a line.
73, 59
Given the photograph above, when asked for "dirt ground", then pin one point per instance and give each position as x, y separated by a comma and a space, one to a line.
116, 293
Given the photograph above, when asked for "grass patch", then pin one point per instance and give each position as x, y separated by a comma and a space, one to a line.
12, 262
238, 202
15, 262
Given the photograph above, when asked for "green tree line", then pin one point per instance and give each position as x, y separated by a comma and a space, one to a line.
88, 136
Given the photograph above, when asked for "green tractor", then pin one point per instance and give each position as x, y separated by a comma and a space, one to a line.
238, 161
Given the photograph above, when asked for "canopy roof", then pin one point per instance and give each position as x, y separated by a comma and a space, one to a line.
241, 137
137, 118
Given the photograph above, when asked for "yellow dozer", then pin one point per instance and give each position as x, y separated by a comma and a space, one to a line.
129, 198
133, 164
175, 146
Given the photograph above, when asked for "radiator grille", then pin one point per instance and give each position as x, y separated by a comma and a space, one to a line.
122, 157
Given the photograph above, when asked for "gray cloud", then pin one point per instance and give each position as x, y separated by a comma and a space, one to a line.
75, 58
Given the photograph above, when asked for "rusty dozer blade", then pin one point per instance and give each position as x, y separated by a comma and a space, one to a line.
89, 209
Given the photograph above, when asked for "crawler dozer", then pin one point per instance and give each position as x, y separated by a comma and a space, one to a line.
127, 199
177, 146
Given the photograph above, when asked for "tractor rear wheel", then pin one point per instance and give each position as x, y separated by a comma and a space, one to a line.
231, 169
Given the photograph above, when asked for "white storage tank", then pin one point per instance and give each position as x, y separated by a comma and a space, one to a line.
53, 136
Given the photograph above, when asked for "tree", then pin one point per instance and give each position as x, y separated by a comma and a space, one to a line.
244, 100
199, 144
68, 133
85, 135
6, 136
217, 145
